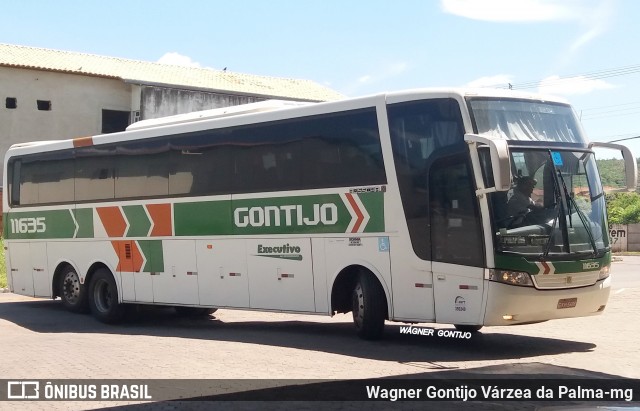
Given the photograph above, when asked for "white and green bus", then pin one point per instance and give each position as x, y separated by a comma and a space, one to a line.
392, 207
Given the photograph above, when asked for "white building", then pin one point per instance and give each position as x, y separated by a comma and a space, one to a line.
50, 94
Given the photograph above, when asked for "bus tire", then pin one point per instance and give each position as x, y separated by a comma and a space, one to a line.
72, 293
368, 307
468, 328
194, 311
103, 297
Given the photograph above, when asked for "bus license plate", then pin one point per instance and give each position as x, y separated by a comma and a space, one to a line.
567, 303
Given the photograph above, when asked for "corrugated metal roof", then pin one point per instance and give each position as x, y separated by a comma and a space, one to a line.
145, 72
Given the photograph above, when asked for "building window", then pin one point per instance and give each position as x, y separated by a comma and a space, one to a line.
114, 121
11, 102
44, 105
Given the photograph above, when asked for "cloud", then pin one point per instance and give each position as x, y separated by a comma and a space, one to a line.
177, 59
383, 73
592, 16
364, 79
499, 80
509, 10
572, 85
595, 21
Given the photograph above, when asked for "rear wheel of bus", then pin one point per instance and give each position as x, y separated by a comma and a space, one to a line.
368, 307
103, 297
72, 293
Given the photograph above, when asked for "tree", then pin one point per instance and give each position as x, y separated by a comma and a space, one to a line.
623, 208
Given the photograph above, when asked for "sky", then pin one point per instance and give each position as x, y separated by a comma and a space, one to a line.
583, 50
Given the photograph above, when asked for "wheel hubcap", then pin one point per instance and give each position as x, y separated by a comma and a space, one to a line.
358, 306
103, 296
71, 287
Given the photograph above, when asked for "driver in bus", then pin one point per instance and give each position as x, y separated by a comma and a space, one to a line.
520, 202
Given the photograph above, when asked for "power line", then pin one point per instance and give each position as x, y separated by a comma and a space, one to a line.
595, 112
594, 75
612, 113
612, 105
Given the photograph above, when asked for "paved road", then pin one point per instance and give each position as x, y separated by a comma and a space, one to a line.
40, 340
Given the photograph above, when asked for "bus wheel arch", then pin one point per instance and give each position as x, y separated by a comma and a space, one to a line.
103, 295
358, 290
95, 266
67, 285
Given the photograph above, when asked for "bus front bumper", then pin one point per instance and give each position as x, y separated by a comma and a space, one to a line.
511, 305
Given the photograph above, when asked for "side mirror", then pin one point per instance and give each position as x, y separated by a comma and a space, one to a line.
630, 165
500, 160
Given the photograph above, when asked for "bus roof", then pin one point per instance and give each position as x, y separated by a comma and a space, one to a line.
272, 106
479, 92
267, 105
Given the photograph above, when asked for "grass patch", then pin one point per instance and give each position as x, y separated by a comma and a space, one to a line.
3, 266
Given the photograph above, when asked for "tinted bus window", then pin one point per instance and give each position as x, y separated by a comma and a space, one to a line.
421, 132
331, 150
94, 179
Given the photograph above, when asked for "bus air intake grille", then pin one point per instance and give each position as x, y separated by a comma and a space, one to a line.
570, 280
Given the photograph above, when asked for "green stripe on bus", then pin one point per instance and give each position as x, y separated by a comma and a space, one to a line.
40, 224
520, 263
152, 252
374, 203
84, 218
291, 215
139, 223
324, 213
202, 218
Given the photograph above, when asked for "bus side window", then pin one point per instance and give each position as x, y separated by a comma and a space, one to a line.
29, 183
94, 174
142, 169
14, 181
456, 235
47, 180
421, 131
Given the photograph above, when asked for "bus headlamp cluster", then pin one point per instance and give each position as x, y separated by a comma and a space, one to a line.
604, 272
511, 277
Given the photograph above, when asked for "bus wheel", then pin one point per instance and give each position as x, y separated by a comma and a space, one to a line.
468, 328
194, 311
368, 307
72, 293
103, 297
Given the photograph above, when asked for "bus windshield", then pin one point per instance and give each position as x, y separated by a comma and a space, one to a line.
525, 120
555, 206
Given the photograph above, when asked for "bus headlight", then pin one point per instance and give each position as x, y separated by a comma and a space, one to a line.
604, 272
511, 277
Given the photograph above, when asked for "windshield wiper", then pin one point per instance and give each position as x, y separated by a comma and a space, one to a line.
553, 226
586, 224
583, 218
560, 207
557, 210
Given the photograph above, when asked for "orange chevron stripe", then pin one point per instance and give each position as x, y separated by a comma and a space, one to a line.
130, 258
161, 217
112, 220
83, 141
